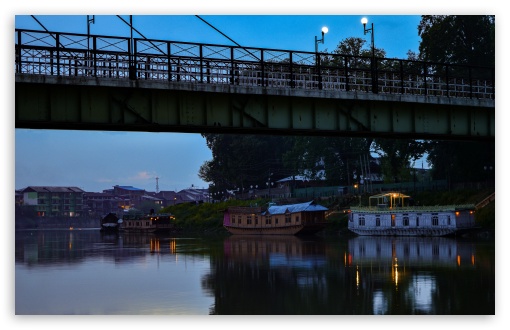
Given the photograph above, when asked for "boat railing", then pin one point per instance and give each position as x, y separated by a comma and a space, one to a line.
429, 208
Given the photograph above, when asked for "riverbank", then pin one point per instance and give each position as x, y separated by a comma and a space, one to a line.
207, 218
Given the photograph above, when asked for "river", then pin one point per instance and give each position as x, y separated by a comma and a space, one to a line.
85, 272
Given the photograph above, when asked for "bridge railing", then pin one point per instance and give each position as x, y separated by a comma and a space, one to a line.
68, 54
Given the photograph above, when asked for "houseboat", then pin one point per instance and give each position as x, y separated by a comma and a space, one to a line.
393, 214
149, 223
291, 219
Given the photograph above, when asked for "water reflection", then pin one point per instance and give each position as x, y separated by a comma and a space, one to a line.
251, 274
412, 275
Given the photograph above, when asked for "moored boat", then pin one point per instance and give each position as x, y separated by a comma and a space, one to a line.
393, 214
149, 223
290, 219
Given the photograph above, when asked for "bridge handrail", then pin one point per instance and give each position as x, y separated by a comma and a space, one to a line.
74, 54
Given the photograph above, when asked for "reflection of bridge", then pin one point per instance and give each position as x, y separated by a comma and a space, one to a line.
73, 81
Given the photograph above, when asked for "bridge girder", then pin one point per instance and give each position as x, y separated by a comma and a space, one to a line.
48, 102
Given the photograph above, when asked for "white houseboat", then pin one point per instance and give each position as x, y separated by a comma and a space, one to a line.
390, 214
291, 219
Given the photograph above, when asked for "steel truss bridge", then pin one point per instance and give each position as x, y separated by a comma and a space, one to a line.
93, 82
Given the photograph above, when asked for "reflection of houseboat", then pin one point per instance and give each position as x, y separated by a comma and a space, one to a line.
149, 223
410, 251
392, 214
110, 223
292, 219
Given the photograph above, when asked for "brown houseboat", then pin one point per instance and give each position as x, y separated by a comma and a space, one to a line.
291, 219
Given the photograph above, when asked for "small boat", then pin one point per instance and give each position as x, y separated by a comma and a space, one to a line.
393, 214
110, 223
291, 219
149, 223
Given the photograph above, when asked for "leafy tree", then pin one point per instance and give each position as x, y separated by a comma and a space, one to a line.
243, 160
458, 39
466, 40
396, 157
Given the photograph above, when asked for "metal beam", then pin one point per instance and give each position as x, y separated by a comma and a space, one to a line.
74, 103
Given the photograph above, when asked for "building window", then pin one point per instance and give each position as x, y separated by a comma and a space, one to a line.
377, 221
406, 221
393, 220
449, 221
256, 219
287, 218
276, 220
248, 219
361, 221
297, 219
435, 220
417, 221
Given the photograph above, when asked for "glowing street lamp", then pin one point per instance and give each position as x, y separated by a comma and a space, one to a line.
364, 21
317, 41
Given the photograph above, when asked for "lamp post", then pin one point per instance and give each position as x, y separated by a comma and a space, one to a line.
364, 21
317, 41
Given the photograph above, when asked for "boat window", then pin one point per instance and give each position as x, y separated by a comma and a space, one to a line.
435, 220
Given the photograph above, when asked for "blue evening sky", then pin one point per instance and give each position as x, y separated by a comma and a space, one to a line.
95, 160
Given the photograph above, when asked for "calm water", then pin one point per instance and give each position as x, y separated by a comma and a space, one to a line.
85, 272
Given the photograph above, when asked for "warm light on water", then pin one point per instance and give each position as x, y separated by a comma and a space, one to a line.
84, 272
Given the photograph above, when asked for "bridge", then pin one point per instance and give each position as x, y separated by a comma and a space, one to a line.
94, 82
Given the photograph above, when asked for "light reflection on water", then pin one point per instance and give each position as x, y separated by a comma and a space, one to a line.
85, 272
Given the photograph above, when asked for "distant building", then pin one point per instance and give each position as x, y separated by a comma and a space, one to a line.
54, 201
100, 204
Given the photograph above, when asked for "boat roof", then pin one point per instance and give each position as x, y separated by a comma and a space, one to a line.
394, 194
294, 208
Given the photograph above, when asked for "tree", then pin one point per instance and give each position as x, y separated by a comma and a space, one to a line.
458, 39
466, 40
396, 157
243, 160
